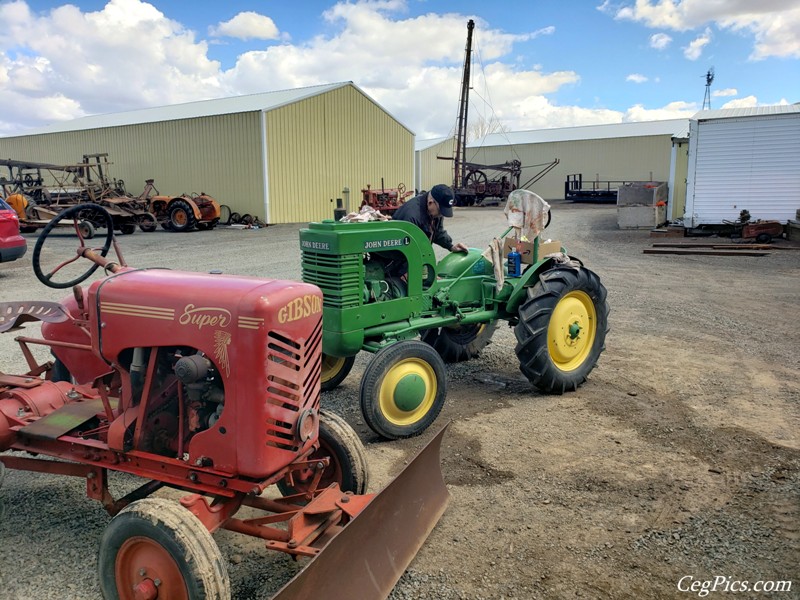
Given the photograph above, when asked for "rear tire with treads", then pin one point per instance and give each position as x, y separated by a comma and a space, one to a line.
460, 342
562, 329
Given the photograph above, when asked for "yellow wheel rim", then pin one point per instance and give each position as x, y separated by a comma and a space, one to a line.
407, 392
572, 330
331, 365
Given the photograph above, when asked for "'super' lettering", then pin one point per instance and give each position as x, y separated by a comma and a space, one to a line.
205, 316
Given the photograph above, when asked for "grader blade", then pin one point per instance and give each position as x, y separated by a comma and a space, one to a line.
369, 555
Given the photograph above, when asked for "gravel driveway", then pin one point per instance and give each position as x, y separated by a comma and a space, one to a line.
679, 458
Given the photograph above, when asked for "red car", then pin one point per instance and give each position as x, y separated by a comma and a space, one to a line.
12, 244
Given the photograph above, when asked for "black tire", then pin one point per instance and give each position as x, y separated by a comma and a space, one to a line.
422, 373
763, 238
86, 229
165, 225
128, 228
235, 218
181, 216
348, 466
148, 222
334, 371
458, 343
162, 540
562, 329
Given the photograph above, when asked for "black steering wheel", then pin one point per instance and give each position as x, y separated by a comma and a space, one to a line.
73, 212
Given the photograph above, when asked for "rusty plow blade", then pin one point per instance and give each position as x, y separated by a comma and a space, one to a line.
366, 558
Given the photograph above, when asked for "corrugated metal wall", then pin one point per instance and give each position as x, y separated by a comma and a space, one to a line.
742, 163
218, 155
628, 159
430, 170
319, 146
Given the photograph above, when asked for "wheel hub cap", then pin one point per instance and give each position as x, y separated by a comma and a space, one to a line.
571, 332
410, 392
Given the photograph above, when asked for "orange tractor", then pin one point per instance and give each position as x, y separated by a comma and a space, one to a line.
181, 213
219, 399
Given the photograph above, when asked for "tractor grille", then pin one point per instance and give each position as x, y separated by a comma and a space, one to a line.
339, 277
292, 385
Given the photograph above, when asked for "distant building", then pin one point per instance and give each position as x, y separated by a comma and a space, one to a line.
743, 159
282, 156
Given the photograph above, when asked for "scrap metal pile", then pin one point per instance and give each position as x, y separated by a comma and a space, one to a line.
41, 191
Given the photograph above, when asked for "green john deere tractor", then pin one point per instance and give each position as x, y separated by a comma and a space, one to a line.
384, 292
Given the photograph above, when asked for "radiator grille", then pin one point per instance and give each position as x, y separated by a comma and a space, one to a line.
338, 276
293, 371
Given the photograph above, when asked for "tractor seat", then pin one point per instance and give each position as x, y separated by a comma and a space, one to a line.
14, 314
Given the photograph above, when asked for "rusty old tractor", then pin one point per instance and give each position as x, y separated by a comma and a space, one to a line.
186, 212
385, 200
219, 399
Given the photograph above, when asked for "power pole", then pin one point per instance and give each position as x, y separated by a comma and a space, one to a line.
459, 170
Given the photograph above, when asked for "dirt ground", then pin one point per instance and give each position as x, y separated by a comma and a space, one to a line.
678, 462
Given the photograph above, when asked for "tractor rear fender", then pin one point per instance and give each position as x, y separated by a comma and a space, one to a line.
195, 209
528, 279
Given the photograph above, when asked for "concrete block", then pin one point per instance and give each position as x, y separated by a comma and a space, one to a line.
641, 217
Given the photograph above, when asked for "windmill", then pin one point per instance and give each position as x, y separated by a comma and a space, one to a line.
707, 98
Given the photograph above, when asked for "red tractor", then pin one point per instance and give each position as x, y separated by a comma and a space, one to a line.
208, 384
384, 200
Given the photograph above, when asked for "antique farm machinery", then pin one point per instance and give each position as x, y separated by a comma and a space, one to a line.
217, 398
382, 287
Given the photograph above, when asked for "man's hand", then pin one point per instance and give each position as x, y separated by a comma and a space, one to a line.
459, 247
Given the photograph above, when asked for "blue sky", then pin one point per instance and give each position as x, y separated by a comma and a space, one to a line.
536, 63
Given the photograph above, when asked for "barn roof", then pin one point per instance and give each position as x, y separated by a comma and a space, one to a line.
202, 108
752, 111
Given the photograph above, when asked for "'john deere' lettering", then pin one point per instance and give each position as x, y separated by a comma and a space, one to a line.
383, 244
300, 308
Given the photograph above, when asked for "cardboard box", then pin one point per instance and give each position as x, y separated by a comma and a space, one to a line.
526, 249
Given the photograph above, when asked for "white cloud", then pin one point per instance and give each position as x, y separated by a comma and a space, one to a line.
660, 41
636, 78
673, 110
725, 92
750, 102
695, 48
247, 26
774, 24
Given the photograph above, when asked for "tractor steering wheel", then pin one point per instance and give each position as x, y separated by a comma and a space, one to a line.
73, 213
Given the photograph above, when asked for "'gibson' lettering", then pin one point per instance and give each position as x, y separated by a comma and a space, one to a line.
299, 308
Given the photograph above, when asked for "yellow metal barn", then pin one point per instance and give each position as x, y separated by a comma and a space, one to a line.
283, 156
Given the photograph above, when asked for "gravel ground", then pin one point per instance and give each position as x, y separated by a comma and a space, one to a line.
680, 457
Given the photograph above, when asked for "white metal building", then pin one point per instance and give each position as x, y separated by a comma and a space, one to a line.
743, 158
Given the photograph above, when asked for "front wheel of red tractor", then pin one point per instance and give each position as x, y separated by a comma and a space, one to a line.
403, 390
562, 329
348, 464
155, 548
